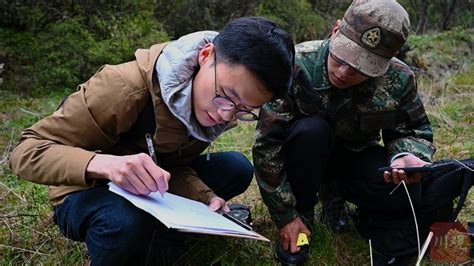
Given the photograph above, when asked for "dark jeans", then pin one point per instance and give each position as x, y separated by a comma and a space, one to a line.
118, 233
314, 155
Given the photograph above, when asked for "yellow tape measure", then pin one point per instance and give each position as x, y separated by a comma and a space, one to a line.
302, 240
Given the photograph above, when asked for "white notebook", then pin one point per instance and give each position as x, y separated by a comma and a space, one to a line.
186, 215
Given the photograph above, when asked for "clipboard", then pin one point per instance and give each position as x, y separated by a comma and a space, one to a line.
186, 215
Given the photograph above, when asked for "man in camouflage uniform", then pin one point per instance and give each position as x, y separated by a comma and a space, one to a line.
348, 93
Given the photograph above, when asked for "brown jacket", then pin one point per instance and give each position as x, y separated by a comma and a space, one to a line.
56, 150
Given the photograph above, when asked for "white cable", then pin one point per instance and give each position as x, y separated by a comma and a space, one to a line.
425, 247
413, 211
395, 188
370, 248
465, 166
414, 217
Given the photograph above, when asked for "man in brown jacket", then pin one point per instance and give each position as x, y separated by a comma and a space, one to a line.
185, 94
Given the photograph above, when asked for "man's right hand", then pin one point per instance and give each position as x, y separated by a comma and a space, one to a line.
135, 173
397, 175
289, 235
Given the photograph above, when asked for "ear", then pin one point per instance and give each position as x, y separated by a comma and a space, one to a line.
206, 53
336, 27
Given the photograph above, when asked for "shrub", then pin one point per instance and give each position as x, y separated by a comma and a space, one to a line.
58, 55
297, 18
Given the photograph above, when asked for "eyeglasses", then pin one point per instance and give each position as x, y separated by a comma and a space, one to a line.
226, 104
344, 63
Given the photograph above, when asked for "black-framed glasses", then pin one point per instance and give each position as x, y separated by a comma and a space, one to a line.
344, 63
225, 103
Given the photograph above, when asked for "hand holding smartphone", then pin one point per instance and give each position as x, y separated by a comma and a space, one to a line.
420, 169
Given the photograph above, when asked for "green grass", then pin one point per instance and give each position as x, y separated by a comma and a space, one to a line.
28, 235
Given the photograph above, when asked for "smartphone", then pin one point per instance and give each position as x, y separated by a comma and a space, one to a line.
421, 169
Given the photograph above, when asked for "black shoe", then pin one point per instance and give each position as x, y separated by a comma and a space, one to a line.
286, 258
335, 215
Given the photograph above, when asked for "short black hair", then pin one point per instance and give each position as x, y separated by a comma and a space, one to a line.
262, 47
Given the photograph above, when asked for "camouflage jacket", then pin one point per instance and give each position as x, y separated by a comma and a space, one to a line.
388, 104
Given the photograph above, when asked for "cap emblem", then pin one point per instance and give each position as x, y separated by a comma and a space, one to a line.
371, 37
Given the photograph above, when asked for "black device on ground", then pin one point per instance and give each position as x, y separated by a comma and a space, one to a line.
423, 169
239, 214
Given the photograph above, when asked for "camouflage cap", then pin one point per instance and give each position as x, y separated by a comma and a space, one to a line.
370, 34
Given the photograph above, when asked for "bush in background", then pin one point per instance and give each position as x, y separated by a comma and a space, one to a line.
49, 47
298, 19
181, 17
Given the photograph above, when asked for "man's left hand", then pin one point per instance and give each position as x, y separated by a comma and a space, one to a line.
396, 176
217, 203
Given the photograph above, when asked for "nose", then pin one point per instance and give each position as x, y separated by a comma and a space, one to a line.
226, 115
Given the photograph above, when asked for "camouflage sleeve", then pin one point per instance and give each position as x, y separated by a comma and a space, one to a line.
413, 132
272, 130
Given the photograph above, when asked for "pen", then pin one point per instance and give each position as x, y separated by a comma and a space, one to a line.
151, 151
151, 148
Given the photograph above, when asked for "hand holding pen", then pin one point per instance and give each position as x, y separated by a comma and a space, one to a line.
161, 181
135, 173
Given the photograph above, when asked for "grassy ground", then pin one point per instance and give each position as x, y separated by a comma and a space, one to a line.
28, 236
